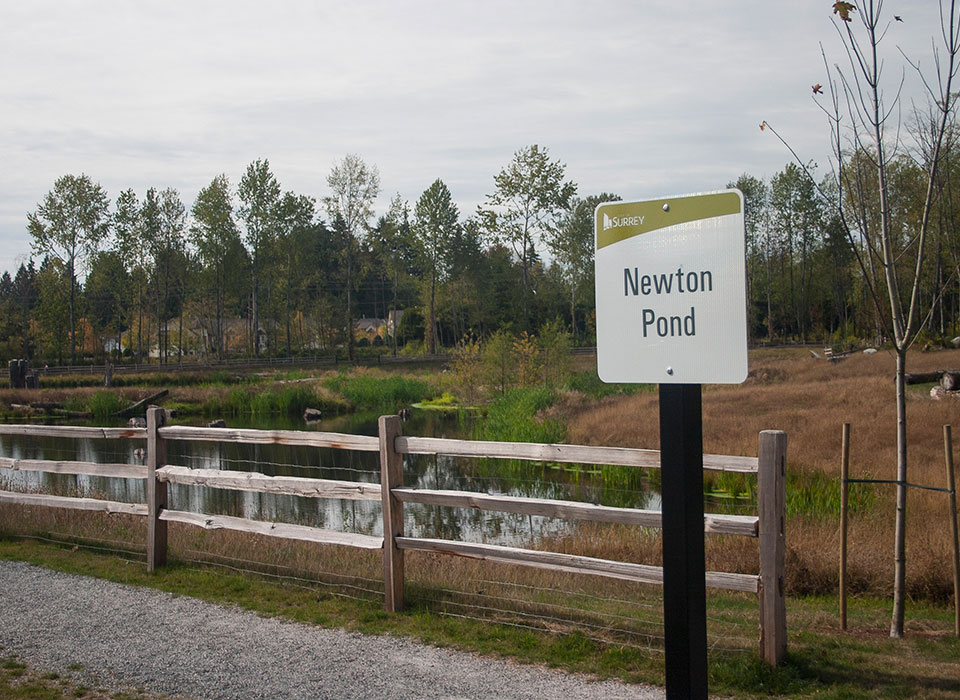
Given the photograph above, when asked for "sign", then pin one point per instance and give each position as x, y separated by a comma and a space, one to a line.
671, 290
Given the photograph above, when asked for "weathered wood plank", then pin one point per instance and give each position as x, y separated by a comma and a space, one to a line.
119, 471
714, 523
286, 485
542, 452
40, 499
74, 431
571, 563
284, 530
339, 441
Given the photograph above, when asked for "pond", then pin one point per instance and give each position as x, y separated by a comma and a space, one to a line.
617, 486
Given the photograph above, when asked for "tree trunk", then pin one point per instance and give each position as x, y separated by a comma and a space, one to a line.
900, 527
431, 321
349, 298
73, 328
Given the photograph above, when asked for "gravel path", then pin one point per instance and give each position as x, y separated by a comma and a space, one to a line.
125, 637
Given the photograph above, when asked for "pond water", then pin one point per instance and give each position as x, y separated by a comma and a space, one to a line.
617, 486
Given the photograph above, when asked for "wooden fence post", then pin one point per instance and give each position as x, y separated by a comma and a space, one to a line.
156, 490
391, 476
771, 504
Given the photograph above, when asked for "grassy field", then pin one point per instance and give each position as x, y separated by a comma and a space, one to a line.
810, 399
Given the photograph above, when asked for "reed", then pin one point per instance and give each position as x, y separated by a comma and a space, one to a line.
369, 390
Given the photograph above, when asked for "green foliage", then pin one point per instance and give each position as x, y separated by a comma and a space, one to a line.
513, 417
105, 404
817, 495
283, 401
554, 344
380, 393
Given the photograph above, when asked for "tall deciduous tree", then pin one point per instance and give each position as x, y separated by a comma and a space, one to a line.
435, 226
353, 187
259, 194
215, 235
130, 250
69, 225
530, 196
295, 220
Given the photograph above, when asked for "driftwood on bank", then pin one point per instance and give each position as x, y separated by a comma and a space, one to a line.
130, 410
40, 408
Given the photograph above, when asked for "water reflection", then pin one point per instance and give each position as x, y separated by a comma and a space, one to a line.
618, 486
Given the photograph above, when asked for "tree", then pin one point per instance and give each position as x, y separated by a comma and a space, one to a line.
295, 221
169, 250
104, 291
865, 150
215, 235
353, 187
530, 196
797, 213
53, 309
259, 194
128, 245
435, 226
69, 224
572, 245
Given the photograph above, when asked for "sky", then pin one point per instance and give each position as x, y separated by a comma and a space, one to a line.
643, 99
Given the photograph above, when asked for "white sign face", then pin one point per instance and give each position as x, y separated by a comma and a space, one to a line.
671, 290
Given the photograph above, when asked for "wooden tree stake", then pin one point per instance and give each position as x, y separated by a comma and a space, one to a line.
951, 487
844, 495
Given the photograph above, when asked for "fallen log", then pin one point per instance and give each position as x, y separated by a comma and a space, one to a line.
135, 408
46, 405
949, 379
923, 377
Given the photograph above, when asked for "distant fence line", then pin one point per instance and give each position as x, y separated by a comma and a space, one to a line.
385, 358
767, 526
239, 363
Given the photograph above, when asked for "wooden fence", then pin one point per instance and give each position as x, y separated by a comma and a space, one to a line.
767, 526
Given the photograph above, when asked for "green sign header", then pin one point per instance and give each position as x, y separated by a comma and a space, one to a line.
618, 221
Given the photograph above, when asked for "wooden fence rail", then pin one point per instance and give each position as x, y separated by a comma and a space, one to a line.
767, 526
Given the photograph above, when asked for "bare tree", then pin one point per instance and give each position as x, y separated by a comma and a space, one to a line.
867, 145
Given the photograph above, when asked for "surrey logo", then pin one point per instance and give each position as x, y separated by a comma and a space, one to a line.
618, 221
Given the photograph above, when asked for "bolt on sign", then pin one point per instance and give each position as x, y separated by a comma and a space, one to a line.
671, 290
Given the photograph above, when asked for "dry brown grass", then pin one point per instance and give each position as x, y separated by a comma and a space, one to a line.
810, 399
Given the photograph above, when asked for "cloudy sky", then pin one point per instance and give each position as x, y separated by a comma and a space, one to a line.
639, 98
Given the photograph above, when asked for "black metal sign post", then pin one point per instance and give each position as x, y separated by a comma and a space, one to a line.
684, 571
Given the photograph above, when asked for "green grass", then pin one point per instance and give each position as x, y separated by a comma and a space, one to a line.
20, 681
283, 401
382, 393
512, 417
821, 662
105, 404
